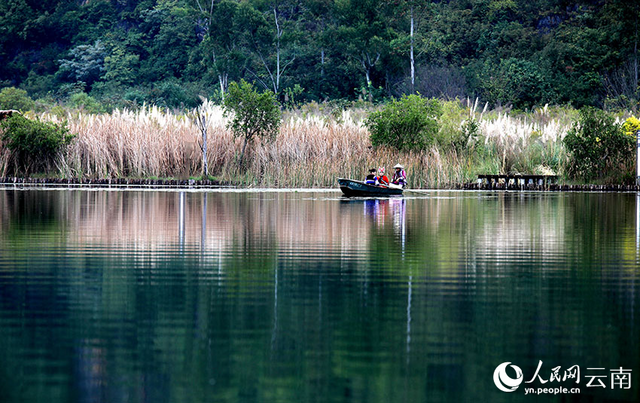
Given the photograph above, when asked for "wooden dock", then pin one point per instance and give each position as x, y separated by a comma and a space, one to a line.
542, 181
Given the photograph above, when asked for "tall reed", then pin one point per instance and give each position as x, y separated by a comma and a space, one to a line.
312, 149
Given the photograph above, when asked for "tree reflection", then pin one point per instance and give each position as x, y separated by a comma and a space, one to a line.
190, 296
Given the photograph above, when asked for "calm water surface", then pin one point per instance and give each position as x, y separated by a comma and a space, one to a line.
152, 296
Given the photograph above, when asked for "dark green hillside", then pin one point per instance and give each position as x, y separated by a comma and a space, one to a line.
168, 52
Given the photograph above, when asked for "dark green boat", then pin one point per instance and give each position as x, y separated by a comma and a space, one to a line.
353, 188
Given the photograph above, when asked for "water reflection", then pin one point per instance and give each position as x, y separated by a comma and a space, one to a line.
187, 296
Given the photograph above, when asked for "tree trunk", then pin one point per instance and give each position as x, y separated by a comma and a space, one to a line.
278, 35
413, 70
223, 76
205, 163
635, 59
244, 147
224, 82
367, 76
367, 64
201, 121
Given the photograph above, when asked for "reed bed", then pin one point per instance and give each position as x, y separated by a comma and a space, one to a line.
528, 143
311, 150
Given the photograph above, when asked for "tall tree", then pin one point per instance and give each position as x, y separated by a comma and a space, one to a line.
364, 37
272, 40
253, 114
412, 12
221, 39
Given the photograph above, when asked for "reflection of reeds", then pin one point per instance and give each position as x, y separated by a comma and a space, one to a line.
150, 221
311, 149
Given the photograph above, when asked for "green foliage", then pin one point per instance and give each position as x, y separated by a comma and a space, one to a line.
173, 94
121, 67
505, 52
456, 130
468, 133
84, 102
171, 28
291, 96
86, 63
33, 143
14, 98
254, 114
521, 83
598, 147
409, 123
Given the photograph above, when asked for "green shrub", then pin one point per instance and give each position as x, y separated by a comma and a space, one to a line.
173, 94
598, 147
451, 131
254, 114
85, 102
33, 143
15, 98
135, 97
409, 123
468, 133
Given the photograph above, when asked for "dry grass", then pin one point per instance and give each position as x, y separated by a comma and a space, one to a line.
311, 150
529, 143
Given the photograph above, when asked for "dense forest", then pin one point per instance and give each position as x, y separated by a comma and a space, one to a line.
172, 52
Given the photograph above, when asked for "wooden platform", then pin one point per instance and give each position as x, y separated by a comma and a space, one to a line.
519, 180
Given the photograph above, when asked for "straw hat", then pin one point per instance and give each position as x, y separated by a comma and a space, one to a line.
398, 166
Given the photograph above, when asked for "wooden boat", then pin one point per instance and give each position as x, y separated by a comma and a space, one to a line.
353, 188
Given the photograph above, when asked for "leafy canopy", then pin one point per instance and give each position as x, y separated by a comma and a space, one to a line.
408, 123
255, 114
15, 98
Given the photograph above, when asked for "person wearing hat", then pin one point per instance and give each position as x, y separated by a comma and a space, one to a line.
382, 178
400, 176
371, 179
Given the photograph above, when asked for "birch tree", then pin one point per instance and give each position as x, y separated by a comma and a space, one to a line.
221, 39
271, 37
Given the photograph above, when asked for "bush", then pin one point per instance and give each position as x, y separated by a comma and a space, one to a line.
409, 123
173, 94
631, 126
468, 133
255, 114
84, 102
14, 98
598, 147
33, 143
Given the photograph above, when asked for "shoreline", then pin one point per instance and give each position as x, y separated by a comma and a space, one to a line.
129, 183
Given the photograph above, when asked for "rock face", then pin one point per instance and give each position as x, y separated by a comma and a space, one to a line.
7, 113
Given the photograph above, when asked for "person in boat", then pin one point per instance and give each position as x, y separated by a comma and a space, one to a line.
383, 180
400, 176
371, 179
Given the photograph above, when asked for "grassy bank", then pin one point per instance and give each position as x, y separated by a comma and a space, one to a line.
315, 145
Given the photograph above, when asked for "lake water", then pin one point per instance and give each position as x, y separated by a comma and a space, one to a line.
162, 296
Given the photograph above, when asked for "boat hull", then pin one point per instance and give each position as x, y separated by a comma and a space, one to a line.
353, 188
